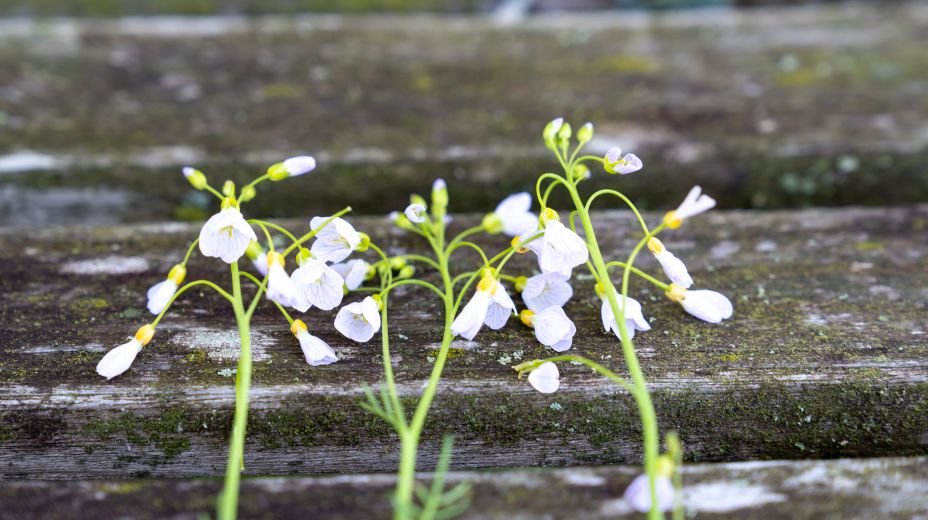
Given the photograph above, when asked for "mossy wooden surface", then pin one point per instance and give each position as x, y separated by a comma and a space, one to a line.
891, 488
825, 357
765, 108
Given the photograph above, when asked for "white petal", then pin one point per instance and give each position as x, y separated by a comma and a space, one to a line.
159, 295
638, 494
551, 325
280, 288
300, 165
471, 318
500, 309
634, 319
226, 235
614, 154
353, 271
316, 351
565, 342
631, 163
674, 268
707, 305
546, 290
415, 213
562, 250
371, 311
119, 359
515, 203
351, 323
545, 378
260, 263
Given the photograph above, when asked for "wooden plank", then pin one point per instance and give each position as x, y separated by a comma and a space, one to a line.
824, 357
888, 488
766, 108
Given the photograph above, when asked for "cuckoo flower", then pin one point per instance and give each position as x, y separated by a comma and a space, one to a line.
354, 272
474, 314
359, 320
545, 378
334, 242
694, 204
316, 284
415, 213
638, 493
119, 359
279, 286
226, 234
706, 305
316, 351
552, 327
673, 267
546, 290
160, 294
615, 162
513, 216
562, 249
500, 309
634, 319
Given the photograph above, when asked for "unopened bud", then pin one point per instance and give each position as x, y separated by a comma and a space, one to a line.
248, 193
228, 189
439, 199
364, 244
406, 272
253, 250
492, 223
585, 133
195, 177
397, 263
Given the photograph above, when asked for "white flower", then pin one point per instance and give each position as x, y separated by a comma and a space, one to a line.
474, 314
334, 242
300, 165
634, 319
552, 327
260, 263
694, 204
160, 294
562, 249
673, 267
353, 271
317, 284
316, 351
500, 309
706, 305
513, 212
226, 235
615, 163
359, 320
638, 494
415, 213
545, 378
546, 290
279, 287
119, 359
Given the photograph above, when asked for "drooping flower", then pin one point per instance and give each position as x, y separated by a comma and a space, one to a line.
354, 272
706, 305
638, 494
614, 162
415, 213
634, 319
545, 378
279, 286
673, 267
334, 242
316, 351
500, 309
513, 216
292, 167
694, 204
226, 235
552, 327
316, 284
472, 317
160, 294
546, 290
562, 249
120, 358
359, 320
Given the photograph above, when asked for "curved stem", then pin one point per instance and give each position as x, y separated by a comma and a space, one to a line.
414, 281
275, 227
212, 190
183, 289
267, 234
555, 179
595, 366
420, 258
589, 202
190, 251
464, 234
263, 287
640, 273
475, 247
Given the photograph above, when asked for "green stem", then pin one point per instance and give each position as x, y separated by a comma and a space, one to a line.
589, 202
640, 273
228, 500
190, 251
273, 226
184, 289
642, 397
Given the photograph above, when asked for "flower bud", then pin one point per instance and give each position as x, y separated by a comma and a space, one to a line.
277, 172
397, 263
365, 243
195, 177
228, 189
378, 298
585, 133
492, 223
418, 199
406, 272
563, 135
248, 193
439, 199
580, 173
371, 272
253, 250
551, 130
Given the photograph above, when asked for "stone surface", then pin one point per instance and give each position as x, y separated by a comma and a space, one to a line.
767, 108
824, 357
891, 488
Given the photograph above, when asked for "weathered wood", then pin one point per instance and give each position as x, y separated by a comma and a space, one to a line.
765, 108
891, 488
824, 357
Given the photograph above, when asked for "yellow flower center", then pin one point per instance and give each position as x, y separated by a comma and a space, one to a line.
672, 221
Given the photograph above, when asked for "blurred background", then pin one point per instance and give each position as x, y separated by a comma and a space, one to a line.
766, 104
